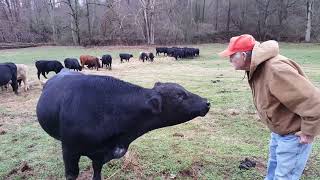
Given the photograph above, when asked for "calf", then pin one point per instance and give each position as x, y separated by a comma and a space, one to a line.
99, 116
45, 66
90, 61
107, 60
151, 57
9, 75
125, 56
22, 75
72, 63
143, 56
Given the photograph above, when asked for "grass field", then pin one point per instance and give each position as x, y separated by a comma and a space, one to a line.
205, 148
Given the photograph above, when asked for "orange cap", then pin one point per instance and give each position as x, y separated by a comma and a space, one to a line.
240, 43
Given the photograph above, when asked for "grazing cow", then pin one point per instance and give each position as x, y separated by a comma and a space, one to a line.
99, 116
160, 50
45, 66
143, 56
72, 63
22, 75
9, 75
90, 61
107, 60
151, 57
125, 56
183, 52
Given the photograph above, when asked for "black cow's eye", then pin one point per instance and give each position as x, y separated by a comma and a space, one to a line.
182, 96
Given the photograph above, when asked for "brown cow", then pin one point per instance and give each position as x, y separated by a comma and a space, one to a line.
90, 61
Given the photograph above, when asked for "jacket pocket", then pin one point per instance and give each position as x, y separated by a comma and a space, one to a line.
273, 123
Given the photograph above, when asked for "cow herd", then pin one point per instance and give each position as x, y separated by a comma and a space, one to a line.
13, 74
178, 52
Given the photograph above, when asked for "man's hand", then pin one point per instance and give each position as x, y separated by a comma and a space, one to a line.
305, 139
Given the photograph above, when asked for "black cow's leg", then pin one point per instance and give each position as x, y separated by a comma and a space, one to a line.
71, 165
44, 75
38, 73
97, 166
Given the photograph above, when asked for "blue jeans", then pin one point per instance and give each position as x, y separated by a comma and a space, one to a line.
287, 157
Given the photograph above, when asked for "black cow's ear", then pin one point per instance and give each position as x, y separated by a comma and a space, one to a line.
157, 84
155, 104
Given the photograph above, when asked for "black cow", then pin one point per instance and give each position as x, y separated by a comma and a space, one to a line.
151, 57
45, 66
143, 56
107, 60
125, 56
160, 50
8, 72
99, 116
72, 63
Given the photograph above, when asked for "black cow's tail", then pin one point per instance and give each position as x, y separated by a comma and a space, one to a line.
14, 83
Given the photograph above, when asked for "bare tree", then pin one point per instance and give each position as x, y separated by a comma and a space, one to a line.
148, 7
74, 24
309, 19
52, 5
152, 21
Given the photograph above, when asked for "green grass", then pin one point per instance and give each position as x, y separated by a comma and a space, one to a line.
205, 148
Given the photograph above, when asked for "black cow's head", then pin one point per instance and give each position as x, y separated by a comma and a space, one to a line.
58, 67
177, 105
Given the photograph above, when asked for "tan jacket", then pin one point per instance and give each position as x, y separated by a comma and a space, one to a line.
284, 97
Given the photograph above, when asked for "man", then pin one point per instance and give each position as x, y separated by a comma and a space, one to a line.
286, 101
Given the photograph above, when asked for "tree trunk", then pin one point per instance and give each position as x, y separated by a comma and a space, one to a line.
229, 16
74, 21
74, 37
217, 14
77, 21
52, 5
203, 10
151, 21
93, 20
148, 13
88, 19
309, 20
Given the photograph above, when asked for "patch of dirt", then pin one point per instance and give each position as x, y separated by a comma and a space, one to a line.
233, 112
215, 81
31, 146
131, 163
178, 135
224, 91
86, 174
193, 171
23, 170
2, 132
261, 164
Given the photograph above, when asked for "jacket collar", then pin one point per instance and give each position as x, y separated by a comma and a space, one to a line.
262, 52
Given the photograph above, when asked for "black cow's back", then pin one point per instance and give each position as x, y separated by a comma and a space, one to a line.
8, 71
75, 104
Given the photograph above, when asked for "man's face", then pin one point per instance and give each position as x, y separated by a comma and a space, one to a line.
238, 61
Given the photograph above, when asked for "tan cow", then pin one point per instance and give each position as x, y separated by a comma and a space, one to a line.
22, 75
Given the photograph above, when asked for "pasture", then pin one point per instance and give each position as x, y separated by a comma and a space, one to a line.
204, 148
